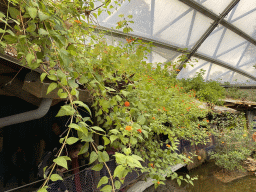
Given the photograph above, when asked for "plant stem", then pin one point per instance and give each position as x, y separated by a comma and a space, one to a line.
111, 177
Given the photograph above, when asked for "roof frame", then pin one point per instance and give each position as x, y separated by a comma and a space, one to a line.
215, 17
216, 22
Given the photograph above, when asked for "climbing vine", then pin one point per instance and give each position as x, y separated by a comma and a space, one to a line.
141, 109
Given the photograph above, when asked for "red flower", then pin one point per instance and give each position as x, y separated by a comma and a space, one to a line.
126, 104
128, 128
139, 130
158, 182
77, 21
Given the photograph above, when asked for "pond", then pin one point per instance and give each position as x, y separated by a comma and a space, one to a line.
207, 182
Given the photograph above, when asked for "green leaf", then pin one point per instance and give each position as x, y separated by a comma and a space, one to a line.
55, 177
93, 157
10, 39
43, 32
118, 98
125, 93
32, 12
42, 76
2, 15
51, 87
137, 157
61, 161
76, 127
133, 140
64, 81
103, 156
30, 58
100, 147
113, 138
81, 104
97, 167
84, 149
127, 151
107, 188
106, 140
66, 110
42, 16
52, 77
72, 140
130, 16
103, 180
62, 94
13, 12
119, 171
141, 120
11, 33
87, 138
61, 140
44, 189
83, 80
60, 74
179, 182
120, 158
97, 128
72, 83
117, 184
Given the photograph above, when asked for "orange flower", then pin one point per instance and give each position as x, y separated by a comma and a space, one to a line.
77, 21
139, 130
164, 109
167, 145
207, 121
177, 70
126, 104
128, 128
158, 182
152, 165
153, 118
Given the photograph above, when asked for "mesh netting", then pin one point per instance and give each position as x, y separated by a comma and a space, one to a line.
87, 180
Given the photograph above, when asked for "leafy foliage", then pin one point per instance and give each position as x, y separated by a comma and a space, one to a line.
234, 142
135, 104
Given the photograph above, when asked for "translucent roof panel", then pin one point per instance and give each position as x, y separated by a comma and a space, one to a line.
216, 6
210, 71
169, 21
244, 17
240, 79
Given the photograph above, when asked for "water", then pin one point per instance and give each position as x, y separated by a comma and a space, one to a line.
208, 183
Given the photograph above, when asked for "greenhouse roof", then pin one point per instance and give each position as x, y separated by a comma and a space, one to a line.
220, 34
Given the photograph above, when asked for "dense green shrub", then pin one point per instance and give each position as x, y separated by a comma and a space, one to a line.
234, 142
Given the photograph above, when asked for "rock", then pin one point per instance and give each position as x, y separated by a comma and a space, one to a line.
250, 164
